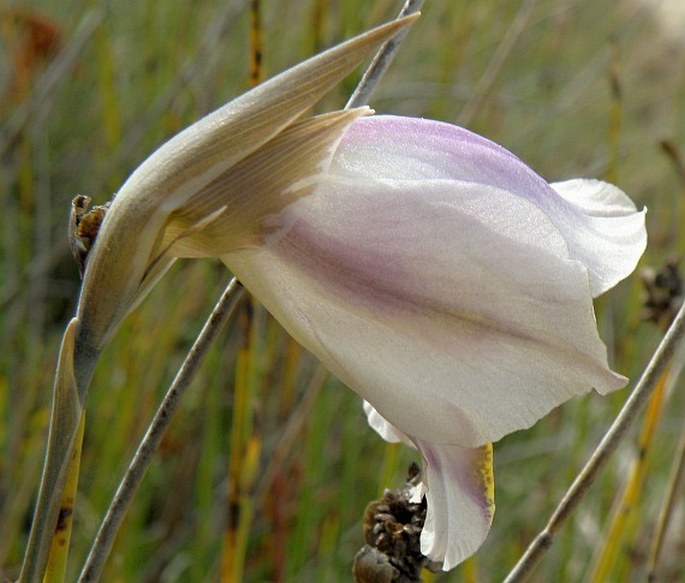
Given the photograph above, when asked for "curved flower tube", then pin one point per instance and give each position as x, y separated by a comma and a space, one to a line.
451, 287
444, 281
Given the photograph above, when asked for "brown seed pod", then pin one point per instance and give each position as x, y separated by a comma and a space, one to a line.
84, 225
392, 530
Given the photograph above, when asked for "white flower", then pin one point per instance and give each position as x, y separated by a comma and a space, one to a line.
451, 287
429, 269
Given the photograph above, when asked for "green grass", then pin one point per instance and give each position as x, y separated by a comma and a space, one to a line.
148, 70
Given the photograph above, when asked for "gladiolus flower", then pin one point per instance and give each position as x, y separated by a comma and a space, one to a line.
451, 287
429, 269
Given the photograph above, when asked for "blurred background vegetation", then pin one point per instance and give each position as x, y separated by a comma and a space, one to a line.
275, 464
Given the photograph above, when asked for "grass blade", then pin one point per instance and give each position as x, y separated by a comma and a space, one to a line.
59, 550
64, 422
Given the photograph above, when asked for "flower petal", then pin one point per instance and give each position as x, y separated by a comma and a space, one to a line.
383, 428
612, 237
459, 487
460, 501
601, 225
454, 307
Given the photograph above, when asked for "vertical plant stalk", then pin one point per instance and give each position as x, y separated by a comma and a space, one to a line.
623, 515
102, 545
320, 10
675, 482
382, 60
245, 447
64, 420
59, 551
256, 45
244, 451
476, 102
644, 388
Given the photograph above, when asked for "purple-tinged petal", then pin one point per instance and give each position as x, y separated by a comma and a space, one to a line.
460, 501
601, 225
453, 307
459, 487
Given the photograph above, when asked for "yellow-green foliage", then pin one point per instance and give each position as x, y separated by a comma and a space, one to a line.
586, 88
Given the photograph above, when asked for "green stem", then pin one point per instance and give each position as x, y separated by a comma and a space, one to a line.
64, 422
644, 388
102, 545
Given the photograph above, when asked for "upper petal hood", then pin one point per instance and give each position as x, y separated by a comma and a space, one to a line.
456, 307
600, 224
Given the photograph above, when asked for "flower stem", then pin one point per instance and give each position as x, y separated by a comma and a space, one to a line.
644, 388
56, 569
625, 512
382, 60
149, 444
67, 411
675, 482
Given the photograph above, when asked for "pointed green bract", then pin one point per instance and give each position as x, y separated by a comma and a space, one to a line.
132, 234
257, 189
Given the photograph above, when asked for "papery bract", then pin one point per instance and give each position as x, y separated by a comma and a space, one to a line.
184, 188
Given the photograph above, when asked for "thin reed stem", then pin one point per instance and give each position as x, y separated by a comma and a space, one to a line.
149, 444
675, 482
644, 388
256, 45
381, 62
625, 512
246, 446
496, 64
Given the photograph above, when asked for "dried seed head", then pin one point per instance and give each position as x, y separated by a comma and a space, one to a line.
664, 292
84, 225
392, 530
